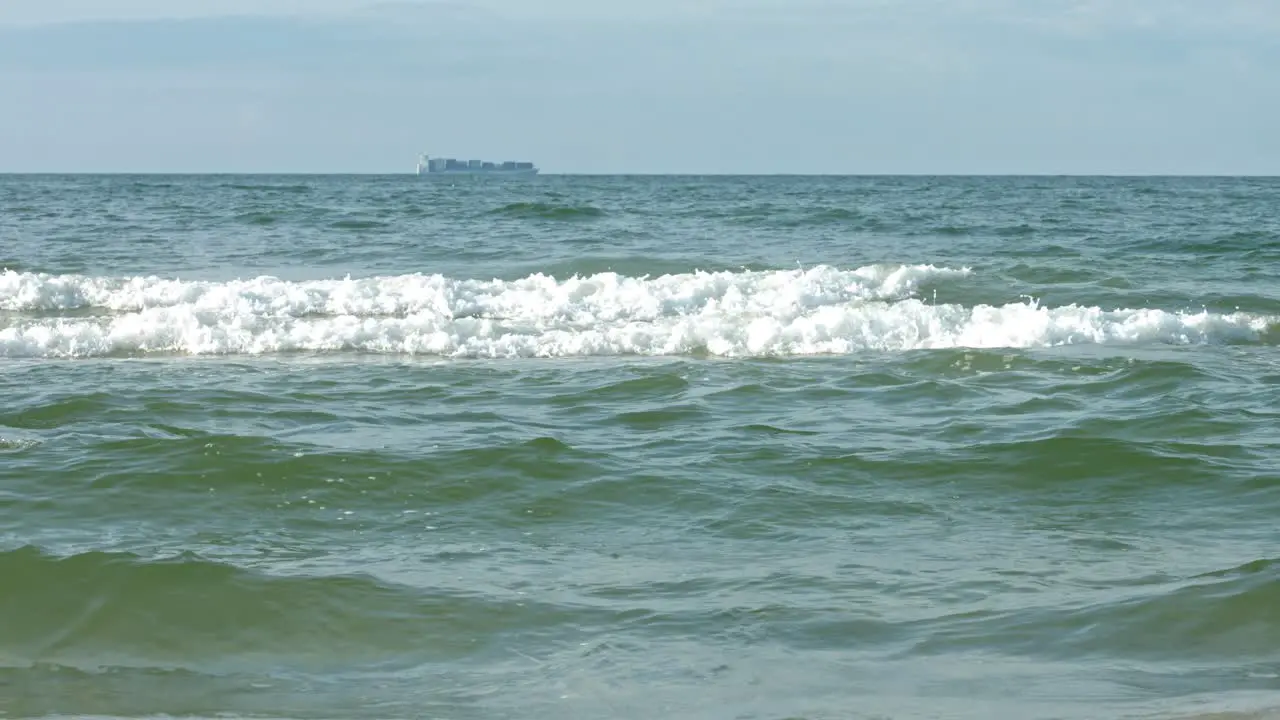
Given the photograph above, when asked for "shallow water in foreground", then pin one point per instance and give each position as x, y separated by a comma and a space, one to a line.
323, 447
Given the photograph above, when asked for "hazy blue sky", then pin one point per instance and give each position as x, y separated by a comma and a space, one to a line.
821, 86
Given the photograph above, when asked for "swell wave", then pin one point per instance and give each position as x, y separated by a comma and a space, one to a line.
107, 609
548, 211
269, 187
778, 313
1230, 614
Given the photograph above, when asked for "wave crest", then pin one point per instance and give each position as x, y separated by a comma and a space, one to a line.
820, 310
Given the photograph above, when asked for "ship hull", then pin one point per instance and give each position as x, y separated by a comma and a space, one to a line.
498, 173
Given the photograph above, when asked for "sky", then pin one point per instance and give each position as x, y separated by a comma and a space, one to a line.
643, 86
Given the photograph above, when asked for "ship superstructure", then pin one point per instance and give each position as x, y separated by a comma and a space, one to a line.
450, 166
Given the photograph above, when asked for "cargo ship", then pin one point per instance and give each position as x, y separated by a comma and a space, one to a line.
450, 166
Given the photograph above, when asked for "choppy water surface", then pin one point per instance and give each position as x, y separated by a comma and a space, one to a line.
332, 447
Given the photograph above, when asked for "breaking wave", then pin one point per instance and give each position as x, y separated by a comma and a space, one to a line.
820, 310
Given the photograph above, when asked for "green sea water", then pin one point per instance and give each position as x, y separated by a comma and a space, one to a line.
639, 447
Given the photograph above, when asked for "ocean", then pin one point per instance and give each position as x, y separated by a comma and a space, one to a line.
639, 447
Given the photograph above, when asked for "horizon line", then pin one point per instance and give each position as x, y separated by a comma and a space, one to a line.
197, 173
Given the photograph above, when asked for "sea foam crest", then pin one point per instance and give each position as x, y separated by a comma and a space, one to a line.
783, 312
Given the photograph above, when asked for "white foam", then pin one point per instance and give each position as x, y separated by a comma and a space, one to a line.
16, 443
780, 313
